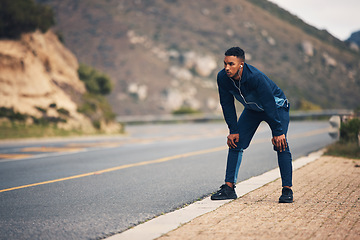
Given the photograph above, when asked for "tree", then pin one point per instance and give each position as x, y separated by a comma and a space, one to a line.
22, 16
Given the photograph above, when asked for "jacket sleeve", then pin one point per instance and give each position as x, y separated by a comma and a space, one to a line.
267, 100
228, 107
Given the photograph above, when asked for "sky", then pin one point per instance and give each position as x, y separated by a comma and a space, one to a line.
339, 18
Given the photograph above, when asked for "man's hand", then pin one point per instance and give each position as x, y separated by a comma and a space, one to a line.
232, 139
279, 142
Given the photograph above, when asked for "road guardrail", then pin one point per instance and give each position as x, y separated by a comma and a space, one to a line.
167, 118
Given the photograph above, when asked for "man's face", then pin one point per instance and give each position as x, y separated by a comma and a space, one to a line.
232, 66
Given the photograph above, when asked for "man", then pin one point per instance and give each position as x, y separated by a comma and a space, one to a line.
263, 101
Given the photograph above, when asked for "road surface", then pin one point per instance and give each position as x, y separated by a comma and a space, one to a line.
90, 188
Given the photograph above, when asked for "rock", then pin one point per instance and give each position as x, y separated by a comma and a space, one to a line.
264, 33
192, 103
180, 73
271, 41
307, 48
189, 59
248, 56
329, 61
205, 65
172, 99
205, 11
212, 104
352, 75
250, 25
230, 32
354, 46
138, 91
172, 53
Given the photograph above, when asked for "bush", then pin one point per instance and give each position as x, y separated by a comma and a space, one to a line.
305, 105
348, 145
22, 16
349, 130
95, 81
185, 110
63, 111
96, 107
10, 114
46, 120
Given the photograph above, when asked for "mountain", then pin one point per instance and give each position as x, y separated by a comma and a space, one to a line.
164, 54
354, 38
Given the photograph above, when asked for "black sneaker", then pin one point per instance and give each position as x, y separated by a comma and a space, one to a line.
286, 196
224, 193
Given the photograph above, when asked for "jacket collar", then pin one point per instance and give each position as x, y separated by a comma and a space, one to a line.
244, 73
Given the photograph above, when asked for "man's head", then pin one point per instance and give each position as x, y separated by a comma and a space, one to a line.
236, 52
234, 62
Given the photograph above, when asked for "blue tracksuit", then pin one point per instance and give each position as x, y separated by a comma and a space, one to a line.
263, 101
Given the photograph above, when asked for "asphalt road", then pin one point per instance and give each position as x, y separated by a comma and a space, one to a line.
90, 188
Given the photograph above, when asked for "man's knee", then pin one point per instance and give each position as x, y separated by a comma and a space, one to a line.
237, 149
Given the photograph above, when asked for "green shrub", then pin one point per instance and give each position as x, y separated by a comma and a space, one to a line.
96, 107
52, 105
22, 16
46, 120
185, 110
348, 145
42, 110
349, 130
96, 124
95, 81
10, 114
305, 105
63, 111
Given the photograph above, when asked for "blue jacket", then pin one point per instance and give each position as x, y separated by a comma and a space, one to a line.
256, 92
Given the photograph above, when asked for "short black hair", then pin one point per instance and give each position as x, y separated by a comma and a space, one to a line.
235, 51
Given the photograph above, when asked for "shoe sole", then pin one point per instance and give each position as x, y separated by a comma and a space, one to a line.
216, 199
223, 199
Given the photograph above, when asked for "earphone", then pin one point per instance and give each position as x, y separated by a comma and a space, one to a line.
238, 72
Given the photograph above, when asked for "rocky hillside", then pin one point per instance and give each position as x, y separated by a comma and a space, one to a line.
39, 79
38, 71
164, 54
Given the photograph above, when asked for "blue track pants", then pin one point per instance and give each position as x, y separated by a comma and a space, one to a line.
248, 122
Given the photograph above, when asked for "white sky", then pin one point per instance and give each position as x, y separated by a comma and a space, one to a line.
339, 18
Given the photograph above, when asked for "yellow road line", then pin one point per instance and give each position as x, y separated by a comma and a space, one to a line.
165, 159
97, 144
14, 156
51, 149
